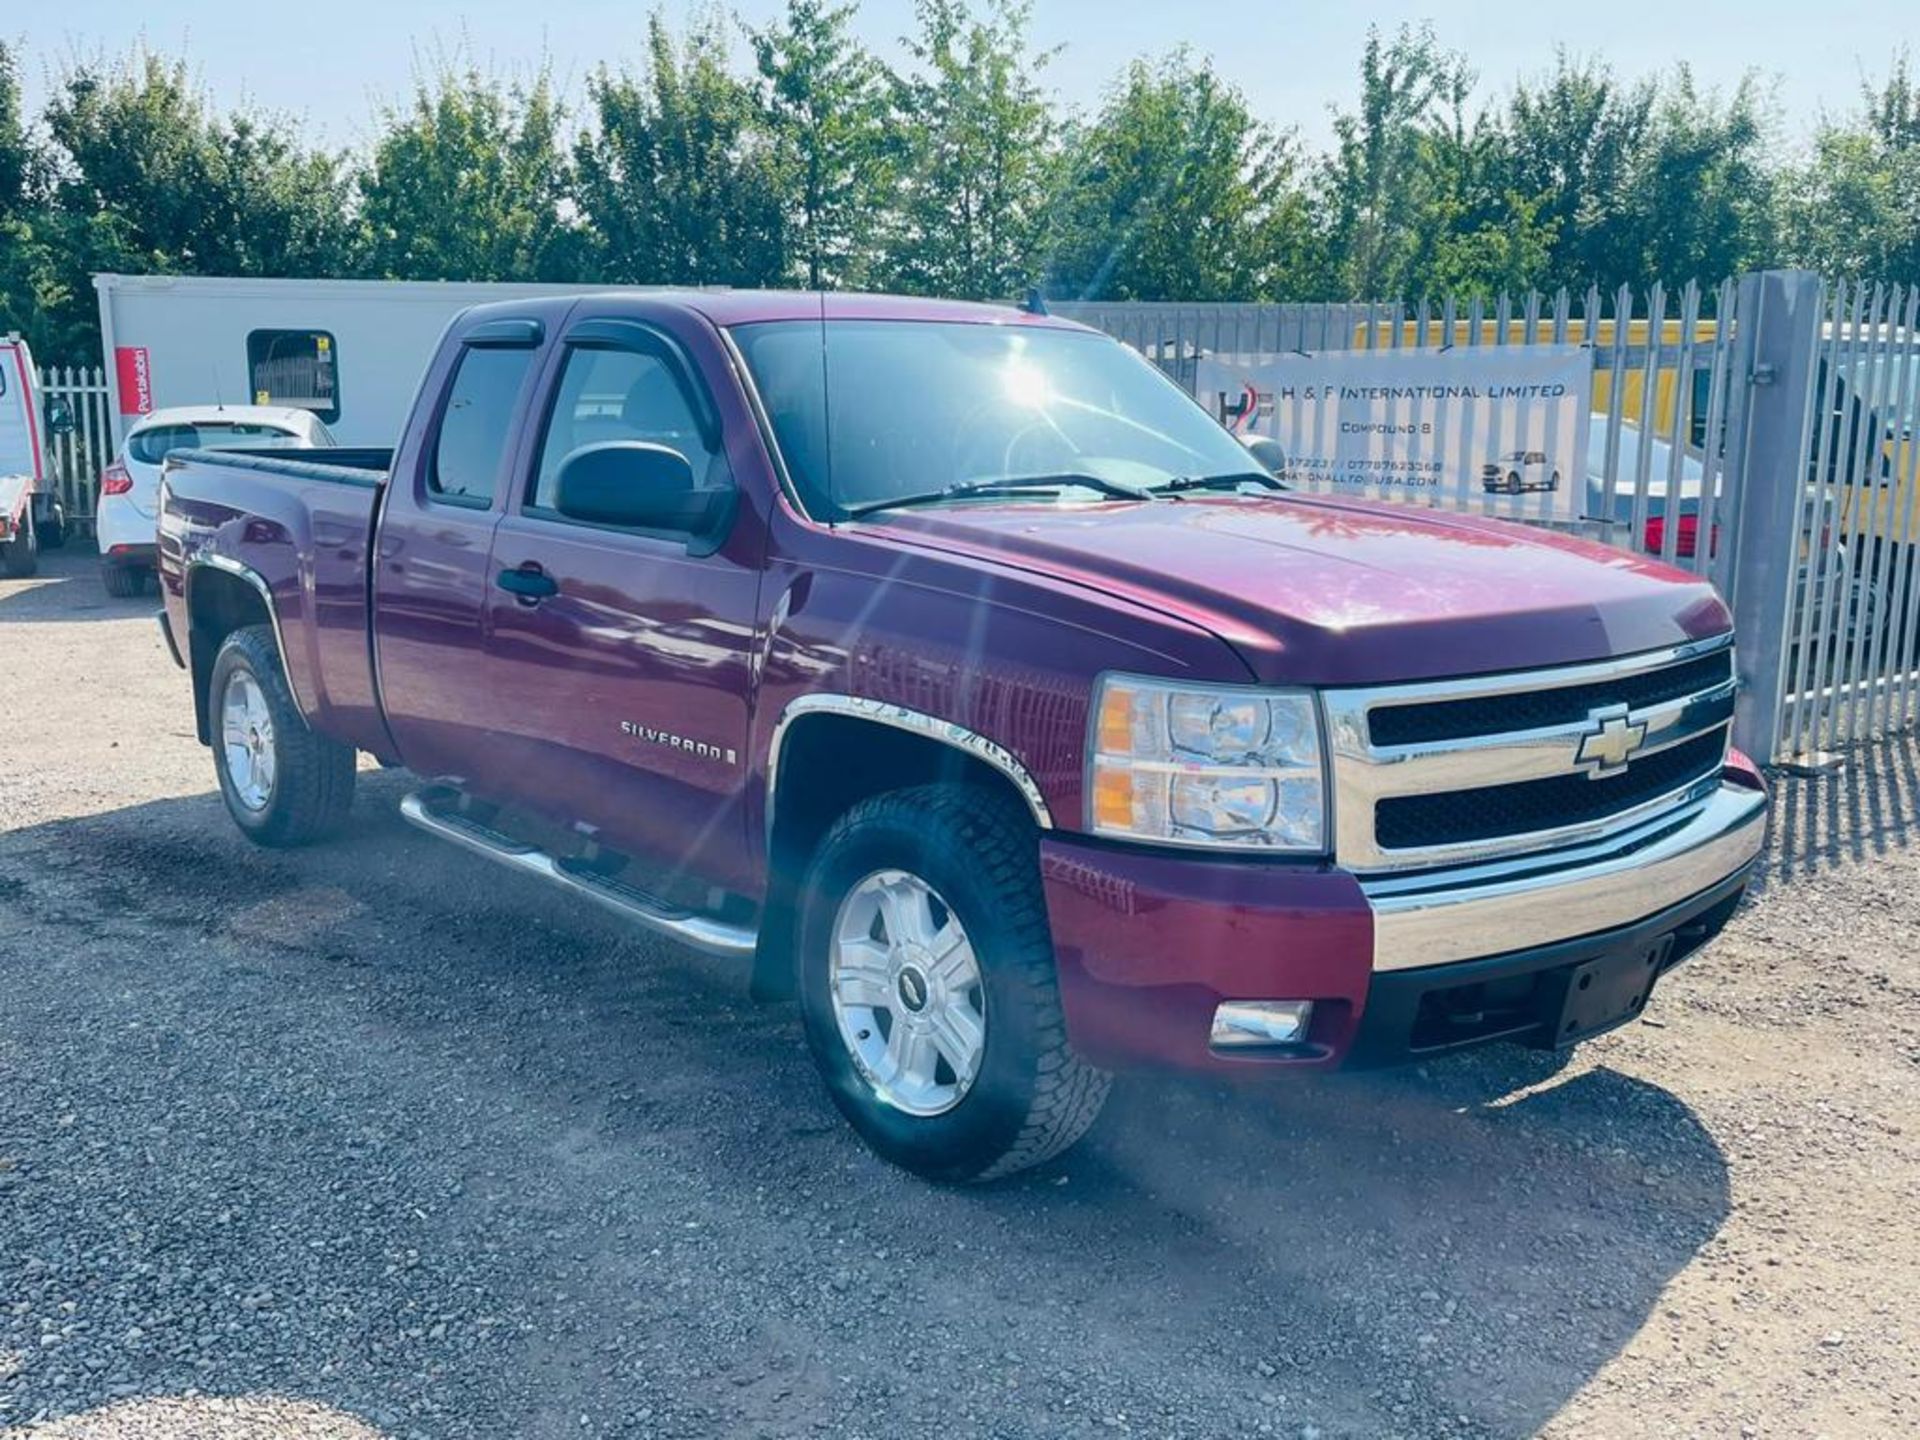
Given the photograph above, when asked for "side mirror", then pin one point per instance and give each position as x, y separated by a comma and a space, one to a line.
638, 486
59, 417
1268, 451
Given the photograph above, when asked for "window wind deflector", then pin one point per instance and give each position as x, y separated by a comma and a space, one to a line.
506, 334
1005, 485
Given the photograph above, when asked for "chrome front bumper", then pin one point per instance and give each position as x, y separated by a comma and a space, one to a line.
1472, 912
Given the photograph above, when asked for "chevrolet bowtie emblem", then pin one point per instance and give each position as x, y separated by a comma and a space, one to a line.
1610, 742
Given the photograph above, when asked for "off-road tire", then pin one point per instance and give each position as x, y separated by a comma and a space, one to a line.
20, 556
124, 582
1033, 1096
313, 776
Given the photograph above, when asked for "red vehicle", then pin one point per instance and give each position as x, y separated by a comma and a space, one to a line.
953, 670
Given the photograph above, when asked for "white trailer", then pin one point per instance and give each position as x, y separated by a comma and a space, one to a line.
351, 351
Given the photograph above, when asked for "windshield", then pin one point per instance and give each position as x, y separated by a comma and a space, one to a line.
868, 410
154, 444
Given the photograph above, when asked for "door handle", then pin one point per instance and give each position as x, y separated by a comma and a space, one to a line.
528, 583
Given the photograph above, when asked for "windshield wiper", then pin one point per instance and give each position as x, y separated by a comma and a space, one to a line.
1231, 480
1004, 485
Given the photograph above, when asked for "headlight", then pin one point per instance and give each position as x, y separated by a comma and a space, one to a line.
1212, 765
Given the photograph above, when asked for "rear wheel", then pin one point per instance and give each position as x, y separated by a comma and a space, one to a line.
283, 784
124, 581
928, 990
52, 533
20, 556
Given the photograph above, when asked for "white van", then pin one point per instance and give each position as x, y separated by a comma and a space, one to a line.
30, 513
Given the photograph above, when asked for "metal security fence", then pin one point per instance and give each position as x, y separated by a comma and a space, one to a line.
1764, 431
1850, 652
75, 460
1660, 387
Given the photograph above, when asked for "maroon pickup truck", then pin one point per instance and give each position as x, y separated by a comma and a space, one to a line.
953, 671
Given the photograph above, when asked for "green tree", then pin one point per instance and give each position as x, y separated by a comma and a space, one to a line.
1371, 181
978, 159
467, 183
1575, 140
1699, 203
1472, 232
677, 181
1170, 193
1852, 209
28, 288
16, 150
823, 101
145, 177
1508, 253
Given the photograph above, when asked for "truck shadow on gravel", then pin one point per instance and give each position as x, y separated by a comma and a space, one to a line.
375, 1126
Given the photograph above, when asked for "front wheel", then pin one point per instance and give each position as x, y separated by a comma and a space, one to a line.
928, 990
283, 784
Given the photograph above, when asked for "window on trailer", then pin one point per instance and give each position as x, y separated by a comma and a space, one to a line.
298, 368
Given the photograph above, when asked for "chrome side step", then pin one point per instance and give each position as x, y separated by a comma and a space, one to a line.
713, 937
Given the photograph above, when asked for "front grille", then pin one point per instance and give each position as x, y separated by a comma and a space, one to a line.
1440, 720
1457, 817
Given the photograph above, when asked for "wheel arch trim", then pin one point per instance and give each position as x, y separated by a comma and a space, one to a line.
950, 733
240, 570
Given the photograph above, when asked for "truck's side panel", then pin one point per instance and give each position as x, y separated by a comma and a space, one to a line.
854, 615
299, 544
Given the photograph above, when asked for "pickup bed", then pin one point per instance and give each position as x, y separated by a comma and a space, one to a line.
953, 671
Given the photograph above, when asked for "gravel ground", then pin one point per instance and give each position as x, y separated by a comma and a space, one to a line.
371, 1140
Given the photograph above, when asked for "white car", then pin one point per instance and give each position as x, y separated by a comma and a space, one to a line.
130, 486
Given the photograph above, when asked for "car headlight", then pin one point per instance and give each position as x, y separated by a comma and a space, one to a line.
1214, 765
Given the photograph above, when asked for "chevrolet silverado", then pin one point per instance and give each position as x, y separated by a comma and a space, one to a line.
955, 673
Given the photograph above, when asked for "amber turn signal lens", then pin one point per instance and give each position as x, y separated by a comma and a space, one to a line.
1116, 720
1113, 799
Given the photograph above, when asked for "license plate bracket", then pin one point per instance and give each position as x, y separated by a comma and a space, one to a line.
1607, 991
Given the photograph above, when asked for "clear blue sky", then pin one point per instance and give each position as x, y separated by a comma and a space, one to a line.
335, 63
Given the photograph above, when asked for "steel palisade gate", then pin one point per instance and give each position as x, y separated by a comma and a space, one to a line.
1761, 431
75, 460
1853, 632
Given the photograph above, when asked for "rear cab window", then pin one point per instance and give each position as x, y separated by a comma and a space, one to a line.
476, 425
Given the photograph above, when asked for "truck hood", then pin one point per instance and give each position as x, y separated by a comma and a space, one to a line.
1326, 591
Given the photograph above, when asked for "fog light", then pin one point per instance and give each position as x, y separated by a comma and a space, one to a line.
1248, 1024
